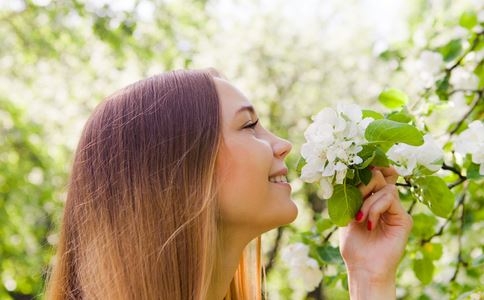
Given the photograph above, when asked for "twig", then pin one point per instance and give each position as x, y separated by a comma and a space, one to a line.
473, 106
454, 184
410, 209
470, 49
464, 91
460, 261
453, 170
441, 229
326, 238
461, 179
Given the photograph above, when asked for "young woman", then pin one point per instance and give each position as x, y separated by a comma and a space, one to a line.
173, 177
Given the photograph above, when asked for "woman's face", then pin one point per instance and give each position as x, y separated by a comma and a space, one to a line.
254, 194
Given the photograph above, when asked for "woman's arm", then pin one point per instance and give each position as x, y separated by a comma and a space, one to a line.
373, 244
363, 285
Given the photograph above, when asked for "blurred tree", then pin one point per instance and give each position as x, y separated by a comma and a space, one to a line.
58, 59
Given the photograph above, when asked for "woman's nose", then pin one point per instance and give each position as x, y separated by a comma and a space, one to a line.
281, 147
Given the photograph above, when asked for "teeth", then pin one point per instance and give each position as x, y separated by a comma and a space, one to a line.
276, 179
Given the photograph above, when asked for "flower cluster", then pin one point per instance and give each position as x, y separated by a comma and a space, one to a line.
427, 67
303, 270
407, 158
334, 140
471, 141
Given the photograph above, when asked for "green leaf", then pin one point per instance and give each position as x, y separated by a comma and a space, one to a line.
443, 88
323, 224
300, 164
372, 155
432, 251
391, 132
423, 225
350, 174
371, 114
344, 204
451, 50
436, 195
402, 116
479, 71
367, 152
393, 98
380, 159
468, 19
330, 254
364, 175
424, 270
473, 171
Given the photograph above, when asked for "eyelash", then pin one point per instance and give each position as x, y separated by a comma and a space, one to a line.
252, 125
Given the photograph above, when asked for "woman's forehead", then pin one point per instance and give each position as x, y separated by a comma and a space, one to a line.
231, 99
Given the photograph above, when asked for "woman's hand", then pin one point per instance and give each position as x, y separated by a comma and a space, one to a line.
372, 245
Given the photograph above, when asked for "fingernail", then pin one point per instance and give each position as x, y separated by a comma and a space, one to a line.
359, 216
368, 225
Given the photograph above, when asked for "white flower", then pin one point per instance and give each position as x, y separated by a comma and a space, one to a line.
426, 67
334, 140
471, 141
407, 157
462, 79
430, 63
303, 270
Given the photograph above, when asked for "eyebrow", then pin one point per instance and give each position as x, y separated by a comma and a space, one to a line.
249, 108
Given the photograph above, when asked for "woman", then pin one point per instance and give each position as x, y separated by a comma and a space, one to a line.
173, 177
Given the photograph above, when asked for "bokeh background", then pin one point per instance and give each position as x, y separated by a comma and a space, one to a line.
59, 59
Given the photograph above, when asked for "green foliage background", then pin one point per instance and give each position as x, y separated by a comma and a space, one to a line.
58, 59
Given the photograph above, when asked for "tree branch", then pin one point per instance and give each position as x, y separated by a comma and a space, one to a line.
470, 49
454, 170
460, 261
326, 238
454, 184
441, 229
473, 106
410, 209
464, 91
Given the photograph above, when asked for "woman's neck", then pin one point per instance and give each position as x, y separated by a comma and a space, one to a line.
232, 245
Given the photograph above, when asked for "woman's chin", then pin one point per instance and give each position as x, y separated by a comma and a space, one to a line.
293, 214
288, 215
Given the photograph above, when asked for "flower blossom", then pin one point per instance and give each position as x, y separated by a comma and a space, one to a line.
471, 141
333, 142
303, 270
407, 158
462, 79
428, 65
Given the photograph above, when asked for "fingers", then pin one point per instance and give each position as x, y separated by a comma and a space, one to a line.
385, 201
376, 183
389, 173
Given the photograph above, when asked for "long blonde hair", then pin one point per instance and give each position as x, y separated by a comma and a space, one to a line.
141, 218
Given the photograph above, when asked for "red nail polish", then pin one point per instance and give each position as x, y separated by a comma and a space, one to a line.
359, 216
368, 225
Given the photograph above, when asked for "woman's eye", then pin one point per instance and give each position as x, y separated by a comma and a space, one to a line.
251, 125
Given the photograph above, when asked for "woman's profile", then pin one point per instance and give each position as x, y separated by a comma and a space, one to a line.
174, 180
